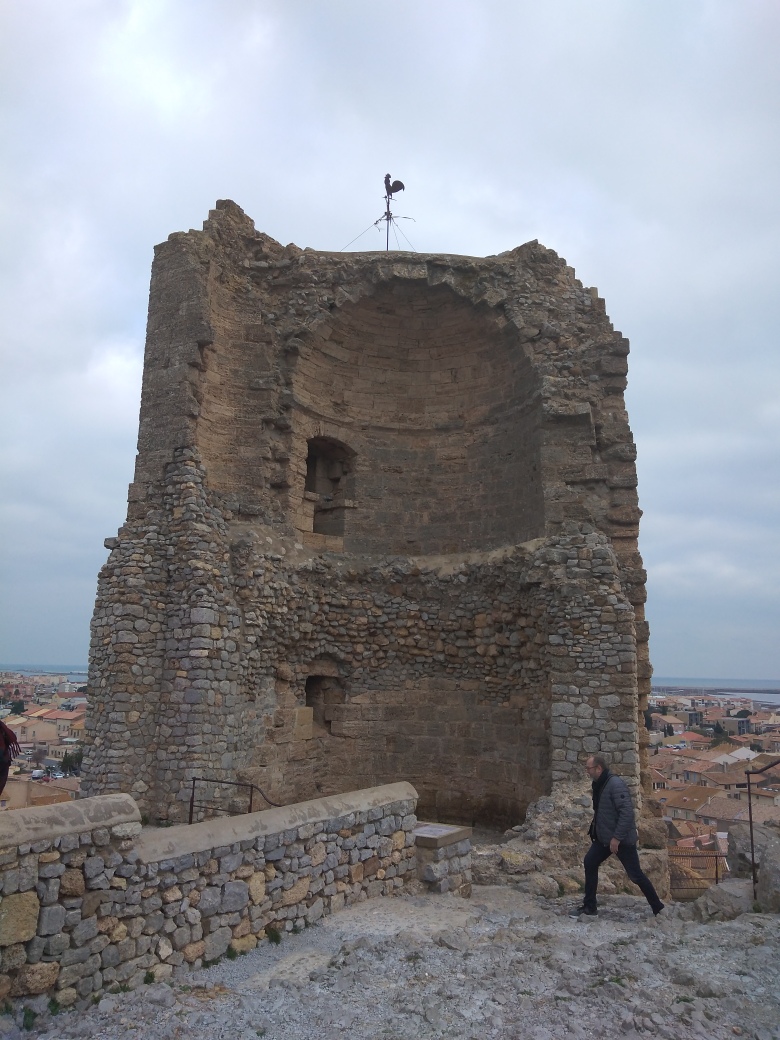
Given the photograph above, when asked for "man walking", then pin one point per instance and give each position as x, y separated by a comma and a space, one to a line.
612, 831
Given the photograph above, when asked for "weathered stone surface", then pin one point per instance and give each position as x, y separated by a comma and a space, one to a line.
652, 833
739, 854
34, 978
316, 509
722, 902
210, 901
46, 822
18, 917
72, 883
298, 892
51, 920
14, 957
235, 896
244, 944
194, 951
768, 888
519, 862
216, 943
531, 971
67, 997
257, 888
84, 931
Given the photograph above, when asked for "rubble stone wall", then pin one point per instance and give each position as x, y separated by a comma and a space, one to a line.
383, 523
90, 901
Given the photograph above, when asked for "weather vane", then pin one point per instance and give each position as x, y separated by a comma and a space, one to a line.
391, 188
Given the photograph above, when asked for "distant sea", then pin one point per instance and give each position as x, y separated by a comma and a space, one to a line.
70, 672
765, 690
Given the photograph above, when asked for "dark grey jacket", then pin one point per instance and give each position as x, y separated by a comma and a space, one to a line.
615, 816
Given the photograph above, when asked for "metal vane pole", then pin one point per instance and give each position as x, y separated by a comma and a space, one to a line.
390, 190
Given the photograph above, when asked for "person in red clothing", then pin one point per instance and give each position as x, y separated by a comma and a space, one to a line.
9, 749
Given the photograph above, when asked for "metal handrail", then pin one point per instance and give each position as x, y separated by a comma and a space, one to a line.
229, 783
682, 852
748, 774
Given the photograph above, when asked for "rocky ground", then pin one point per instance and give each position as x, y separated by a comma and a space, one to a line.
503, 964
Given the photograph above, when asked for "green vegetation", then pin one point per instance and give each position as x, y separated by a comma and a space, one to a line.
149, 978
28, 1018
274, 935
719, 736
71, 760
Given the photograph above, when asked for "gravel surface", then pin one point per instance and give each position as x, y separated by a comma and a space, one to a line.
501, 965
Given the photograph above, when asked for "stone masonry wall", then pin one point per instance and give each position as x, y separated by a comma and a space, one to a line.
483, 678
89, 901
384, 522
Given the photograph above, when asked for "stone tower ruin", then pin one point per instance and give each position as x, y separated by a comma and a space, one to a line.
383, 526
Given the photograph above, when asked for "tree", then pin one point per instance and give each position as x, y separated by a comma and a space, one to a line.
39, 754
720, 736
669, 730
17, 707
648, 719
71, 761
743, 714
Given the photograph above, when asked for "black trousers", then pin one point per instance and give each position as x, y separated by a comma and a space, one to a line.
629, 857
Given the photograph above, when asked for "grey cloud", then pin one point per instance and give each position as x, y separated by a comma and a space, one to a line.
638, 141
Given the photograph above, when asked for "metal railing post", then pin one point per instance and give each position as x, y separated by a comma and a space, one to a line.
752, 840
251, 795
748, 774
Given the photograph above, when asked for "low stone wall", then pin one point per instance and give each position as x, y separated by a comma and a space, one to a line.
444, 857
89, 901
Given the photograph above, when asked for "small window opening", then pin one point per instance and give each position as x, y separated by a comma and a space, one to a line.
323, 692
329, 476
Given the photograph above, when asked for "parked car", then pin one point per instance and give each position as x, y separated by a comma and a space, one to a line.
38, 774
58, 776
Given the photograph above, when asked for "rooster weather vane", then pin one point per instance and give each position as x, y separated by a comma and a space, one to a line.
391, 188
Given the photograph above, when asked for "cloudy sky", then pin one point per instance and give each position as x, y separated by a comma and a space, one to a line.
638, 140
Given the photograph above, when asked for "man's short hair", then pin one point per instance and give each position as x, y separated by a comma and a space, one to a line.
599, 760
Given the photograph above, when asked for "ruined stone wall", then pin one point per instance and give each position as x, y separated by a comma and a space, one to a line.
383, 525
442, 416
